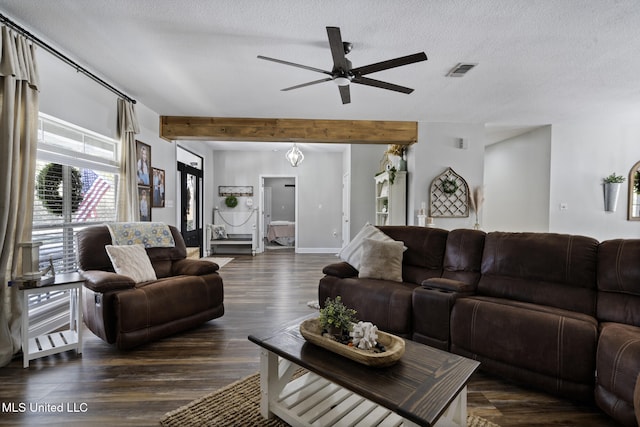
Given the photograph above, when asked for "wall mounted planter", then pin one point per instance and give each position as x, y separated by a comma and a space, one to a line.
611, 193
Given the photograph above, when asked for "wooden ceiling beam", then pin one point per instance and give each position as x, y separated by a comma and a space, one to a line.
175, 128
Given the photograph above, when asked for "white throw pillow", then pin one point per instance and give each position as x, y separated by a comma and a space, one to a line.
352, 252
131, 261
381, 260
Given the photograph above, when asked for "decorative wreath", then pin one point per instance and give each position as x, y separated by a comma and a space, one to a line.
231, 201
449, 186
48, 186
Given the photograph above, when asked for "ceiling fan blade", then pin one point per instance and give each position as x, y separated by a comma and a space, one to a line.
328, 79
383, 85
337, 49
391, 63
345, 94
293, 64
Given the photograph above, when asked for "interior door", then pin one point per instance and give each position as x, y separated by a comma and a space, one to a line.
190, 211
346, 209
267, 210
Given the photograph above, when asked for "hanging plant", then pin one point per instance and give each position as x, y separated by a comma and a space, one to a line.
449, 186
231, 201
49, 188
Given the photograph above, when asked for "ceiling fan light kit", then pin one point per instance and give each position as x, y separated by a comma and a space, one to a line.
343, 74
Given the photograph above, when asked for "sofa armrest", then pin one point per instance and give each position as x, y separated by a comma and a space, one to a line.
193, 267
432, 305
448, 285
104, 281
636, 399
340, 269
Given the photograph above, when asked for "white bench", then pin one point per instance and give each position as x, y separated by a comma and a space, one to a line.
233, 240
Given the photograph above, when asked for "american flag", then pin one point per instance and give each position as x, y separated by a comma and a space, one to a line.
93, 188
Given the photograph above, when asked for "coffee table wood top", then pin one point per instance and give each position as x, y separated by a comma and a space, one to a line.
419, 387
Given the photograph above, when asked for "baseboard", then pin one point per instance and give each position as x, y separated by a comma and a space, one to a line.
318, 250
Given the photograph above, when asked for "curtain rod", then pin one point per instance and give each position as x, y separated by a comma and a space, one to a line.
79, 68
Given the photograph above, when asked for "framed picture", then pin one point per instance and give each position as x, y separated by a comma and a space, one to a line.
143, 163
158, 188
235, 190
145, 203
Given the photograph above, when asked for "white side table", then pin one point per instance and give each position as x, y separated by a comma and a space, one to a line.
38, 343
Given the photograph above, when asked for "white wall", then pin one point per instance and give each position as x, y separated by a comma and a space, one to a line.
582, 154
364, 164
436, 150
516, 183
163, 156
319, 189
70, 96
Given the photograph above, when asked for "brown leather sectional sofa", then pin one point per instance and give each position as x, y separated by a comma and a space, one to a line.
188, 292
547, 310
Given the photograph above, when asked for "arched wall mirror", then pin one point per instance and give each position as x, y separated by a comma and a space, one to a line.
634, 193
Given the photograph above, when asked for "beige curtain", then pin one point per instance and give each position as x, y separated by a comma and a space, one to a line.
18, 143
128, 205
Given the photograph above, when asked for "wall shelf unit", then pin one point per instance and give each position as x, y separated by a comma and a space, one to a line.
391, 199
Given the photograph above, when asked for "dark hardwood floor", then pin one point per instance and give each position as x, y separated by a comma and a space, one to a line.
108, 387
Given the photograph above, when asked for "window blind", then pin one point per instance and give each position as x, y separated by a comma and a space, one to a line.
76, 186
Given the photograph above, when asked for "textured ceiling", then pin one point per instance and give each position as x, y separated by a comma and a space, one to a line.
540, 61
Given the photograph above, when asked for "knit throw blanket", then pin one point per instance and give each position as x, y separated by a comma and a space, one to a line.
149, 234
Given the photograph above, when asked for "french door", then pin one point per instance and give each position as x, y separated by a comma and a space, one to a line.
190, 211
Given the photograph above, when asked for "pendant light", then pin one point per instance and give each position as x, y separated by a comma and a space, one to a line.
294, 156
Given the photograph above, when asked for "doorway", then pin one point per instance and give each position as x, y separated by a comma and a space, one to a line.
279, 213
190, 207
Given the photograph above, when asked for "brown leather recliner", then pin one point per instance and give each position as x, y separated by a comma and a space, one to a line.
636, 400
532, 318
188, 292
618, 356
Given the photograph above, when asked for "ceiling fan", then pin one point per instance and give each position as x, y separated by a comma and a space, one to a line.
343, 74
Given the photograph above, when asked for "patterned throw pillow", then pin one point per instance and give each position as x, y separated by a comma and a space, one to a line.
131, 261
219, 232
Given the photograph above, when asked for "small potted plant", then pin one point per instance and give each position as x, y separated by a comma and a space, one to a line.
612, 185
337, 319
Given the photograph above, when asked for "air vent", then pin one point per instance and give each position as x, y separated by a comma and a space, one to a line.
460, 69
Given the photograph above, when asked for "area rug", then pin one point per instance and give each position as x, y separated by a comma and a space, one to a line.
220, 261
238, 404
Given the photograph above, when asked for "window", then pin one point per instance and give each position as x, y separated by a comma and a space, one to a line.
76, 186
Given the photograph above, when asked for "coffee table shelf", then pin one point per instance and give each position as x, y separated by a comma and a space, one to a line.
426, 387
310, 400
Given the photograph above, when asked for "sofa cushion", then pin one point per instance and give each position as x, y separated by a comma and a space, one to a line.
381, 260
550, 341
618, 364
463, 255
384, 303
352, 252
424, 256
131, 261
619, 281
557, 270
